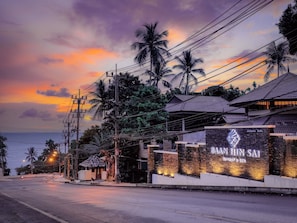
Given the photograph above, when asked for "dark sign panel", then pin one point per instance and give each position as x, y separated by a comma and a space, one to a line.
239, 151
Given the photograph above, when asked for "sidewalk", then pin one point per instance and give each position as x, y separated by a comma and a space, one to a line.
240, 189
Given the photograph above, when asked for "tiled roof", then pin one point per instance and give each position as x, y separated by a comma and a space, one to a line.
199, 103
281, 88
180, 97
93, 161
283, 123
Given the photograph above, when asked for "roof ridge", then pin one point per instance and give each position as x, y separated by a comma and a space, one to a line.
277, 80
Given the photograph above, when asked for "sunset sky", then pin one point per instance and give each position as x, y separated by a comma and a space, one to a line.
50, 49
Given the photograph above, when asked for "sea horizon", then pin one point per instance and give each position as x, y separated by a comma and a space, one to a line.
18, 142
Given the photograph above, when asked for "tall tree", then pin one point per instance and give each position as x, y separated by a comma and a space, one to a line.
159, 73
31, 156
3, 154
103, 98
227, 93
96, 138
99, 100
51, 146
277, 55
287, 26
144, 113
187, 66
151, 44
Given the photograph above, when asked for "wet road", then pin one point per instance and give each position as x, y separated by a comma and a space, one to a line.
40, 199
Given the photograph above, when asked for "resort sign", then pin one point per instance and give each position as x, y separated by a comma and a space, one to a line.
232, 153
241, 151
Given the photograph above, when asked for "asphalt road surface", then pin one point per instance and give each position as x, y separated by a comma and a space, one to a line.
40, 199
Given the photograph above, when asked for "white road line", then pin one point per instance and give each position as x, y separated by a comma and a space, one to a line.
36, 209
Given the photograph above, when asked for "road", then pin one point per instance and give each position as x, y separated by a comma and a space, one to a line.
40, 199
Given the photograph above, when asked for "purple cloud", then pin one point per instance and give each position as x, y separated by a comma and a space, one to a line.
118, 20
34, 113
47, 60
2, 111
63, 92
61, 115
247, 54
64, 40
9, 23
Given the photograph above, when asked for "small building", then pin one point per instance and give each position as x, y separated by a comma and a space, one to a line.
95, 168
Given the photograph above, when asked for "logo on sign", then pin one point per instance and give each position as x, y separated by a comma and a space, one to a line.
233, 138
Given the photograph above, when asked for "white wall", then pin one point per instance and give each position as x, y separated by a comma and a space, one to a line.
86, 175
208, 179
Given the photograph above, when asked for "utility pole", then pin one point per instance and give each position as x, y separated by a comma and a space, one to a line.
68, 125
116, 125
79, 100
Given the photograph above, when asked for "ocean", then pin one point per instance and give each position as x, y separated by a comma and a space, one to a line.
18, 143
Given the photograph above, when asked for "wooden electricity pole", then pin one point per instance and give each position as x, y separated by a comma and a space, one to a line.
116, 125
79, 100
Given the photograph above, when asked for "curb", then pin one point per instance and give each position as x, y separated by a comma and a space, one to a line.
238, 189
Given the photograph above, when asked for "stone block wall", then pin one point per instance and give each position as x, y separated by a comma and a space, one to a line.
248, 152
290, 157
166, 163
277, 154
191, 159
151, 161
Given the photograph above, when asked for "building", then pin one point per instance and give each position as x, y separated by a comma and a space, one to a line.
190, 113
250, 141
274, 103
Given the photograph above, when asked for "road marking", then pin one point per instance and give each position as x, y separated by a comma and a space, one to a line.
36, 209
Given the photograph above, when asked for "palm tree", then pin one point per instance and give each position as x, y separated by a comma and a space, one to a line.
277, 55
99, 102
152, 44
3, 153
160, 71
31, 157
187, 64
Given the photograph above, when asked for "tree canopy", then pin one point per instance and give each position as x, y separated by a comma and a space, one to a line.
144, 112
151, 44
277, 55
287, 26
187, 64
3, 154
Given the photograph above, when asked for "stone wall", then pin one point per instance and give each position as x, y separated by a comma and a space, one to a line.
191, 159
166, 163
247, 152
277, 155
290, 157
151, 161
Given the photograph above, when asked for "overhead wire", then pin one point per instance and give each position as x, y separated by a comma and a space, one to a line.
130, 68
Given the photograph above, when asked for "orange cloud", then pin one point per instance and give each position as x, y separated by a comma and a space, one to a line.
248, 76
96, 74
86, 56
175, 35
